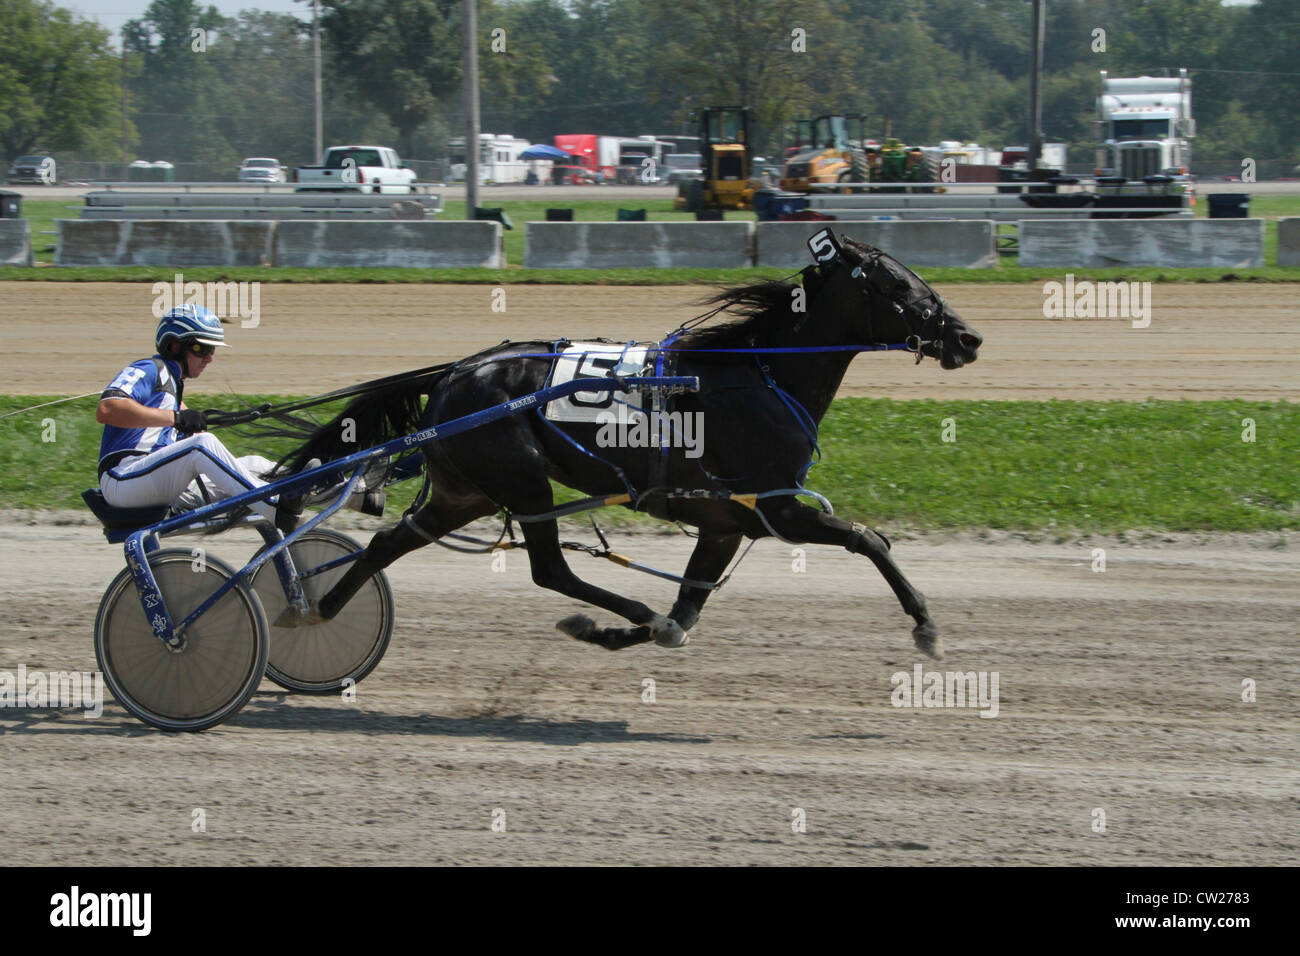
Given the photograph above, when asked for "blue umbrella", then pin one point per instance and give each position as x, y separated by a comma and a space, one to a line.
542, 151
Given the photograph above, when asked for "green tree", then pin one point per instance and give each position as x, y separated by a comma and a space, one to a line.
59, 85
781, 59
402, 56
265, 64
177, 91
1265, 34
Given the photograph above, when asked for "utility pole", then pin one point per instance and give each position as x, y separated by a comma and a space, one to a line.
125, 161
471, 108
1036, 89
320, 131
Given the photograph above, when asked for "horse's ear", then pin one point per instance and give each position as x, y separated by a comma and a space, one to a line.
812, 278
860, 250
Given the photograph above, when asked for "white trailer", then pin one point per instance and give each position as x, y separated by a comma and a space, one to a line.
498, 160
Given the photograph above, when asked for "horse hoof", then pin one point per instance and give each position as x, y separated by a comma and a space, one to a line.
926, 638
290, 617
577, 625
667, 632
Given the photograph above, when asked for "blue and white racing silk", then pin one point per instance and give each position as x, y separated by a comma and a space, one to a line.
155, 383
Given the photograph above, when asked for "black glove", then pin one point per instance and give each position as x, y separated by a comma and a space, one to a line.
191, 420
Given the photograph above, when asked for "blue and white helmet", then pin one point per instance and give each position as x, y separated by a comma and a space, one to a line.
189, 323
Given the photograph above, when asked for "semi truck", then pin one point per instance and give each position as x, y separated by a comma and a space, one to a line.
598, 155
1145, 125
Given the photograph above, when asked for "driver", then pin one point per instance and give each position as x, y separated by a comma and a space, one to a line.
154, 448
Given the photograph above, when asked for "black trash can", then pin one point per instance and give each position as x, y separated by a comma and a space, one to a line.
495, 214
1229, 205
11, 205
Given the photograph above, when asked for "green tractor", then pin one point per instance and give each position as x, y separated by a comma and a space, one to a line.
895, 163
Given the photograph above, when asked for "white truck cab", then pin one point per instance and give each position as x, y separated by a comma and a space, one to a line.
1145, 126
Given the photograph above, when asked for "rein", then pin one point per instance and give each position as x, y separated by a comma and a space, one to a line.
218, 418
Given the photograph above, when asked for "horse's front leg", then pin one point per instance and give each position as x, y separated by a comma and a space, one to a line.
712, 554
550, 570
798, 522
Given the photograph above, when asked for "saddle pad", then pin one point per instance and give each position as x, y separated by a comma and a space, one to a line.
596, 360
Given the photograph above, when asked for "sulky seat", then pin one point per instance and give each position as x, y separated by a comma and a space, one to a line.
121, 519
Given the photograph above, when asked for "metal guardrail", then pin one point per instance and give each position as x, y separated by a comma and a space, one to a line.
312, 200
1081, 183
1002, 213
119, 185
255, 205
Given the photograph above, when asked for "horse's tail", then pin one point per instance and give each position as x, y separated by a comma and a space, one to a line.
368, 420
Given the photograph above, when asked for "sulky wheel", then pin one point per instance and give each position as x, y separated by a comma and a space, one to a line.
211, 675
321, 658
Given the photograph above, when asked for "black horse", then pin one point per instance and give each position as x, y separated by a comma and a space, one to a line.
760, 411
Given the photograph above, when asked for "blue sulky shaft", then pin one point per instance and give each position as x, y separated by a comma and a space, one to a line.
138, 544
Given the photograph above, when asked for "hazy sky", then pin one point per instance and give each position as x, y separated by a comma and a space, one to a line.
113, 13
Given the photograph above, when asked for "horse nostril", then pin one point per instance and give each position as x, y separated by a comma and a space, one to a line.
969, 340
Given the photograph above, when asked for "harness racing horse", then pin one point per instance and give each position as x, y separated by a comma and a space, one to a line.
766, 378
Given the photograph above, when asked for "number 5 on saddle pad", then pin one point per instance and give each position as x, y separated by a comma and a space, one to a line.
581, 360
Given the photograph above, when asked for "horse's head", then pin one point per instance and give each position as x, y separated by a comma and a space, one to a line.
900, 305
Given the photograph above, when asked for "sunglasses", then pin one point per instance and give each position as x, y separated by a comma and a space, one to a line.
201, 350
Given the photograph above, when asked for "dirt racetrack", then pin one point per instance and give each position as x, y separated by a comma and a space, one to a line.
1119, 692
1228, 340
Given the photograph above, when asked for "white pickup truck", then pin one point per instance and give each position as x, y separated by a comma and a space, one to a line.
369, 169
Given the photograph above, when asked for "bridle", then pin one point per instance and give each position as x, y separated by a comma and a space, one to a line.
881, 276
924, 312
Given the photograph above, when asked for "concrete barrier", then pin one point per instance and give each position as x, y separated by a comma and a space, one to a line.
964, 243
15, 242
1288, 241
391, 243
171, 242
1167, 243
638, 245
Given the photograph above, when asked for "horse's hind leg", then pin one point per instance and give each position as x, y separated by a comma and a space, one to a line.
708, 561
550, 570
798, 522
442, 514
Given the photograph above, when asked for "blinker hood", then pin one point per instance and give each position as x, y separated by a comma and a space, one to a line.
884, 275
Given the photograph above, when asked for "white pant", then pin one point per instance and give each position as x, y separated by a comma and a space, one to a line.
169, 476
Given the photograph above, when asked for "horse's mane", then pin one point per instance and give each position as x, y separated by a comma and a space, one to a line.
761, 310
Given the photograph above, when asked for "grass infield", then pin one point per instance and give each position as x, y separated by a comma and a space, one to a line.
1059, 466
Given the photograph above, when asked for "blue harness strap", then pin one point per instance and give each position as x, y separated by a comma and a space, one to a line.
800, 415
